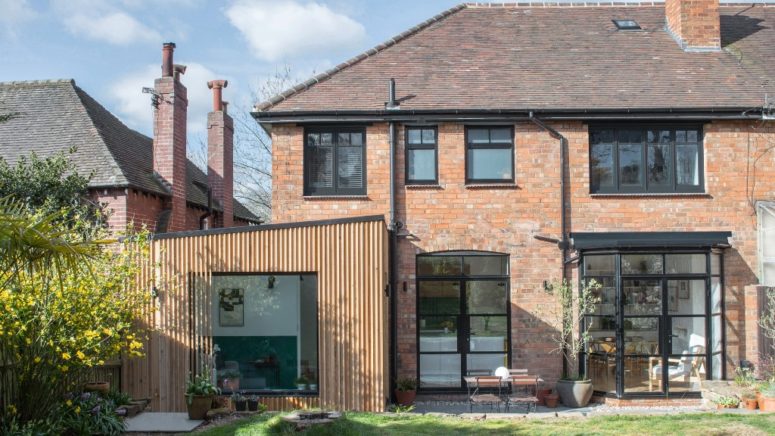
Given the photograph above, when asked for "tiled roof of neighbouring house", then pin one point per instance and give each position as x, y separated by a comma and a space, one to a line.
52, 116
534, 57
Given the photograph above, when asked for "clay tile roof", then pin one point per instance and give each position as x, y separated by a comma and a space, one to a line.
550, 56
52, 116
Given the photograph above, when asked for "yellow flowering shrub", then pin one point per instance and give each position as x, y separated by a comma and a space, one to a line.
58, 322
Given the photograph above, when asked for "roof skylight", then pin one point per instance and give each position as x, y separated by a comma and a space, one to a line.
627, 24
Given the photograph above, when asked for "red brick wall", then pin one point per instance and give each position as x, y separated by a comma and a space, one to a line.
453, 216
695, 22
169, 145
220, 163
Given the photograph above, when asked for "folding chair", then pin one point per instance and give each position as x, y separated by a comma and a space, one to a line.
524, 390
487, 391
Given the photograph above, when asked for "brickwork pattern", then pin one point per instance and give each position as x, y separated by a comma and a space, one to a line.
220, 162
739, 169
169, 145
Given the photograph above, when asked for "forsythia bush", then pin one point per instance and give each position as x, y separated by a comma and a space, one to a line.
59, 319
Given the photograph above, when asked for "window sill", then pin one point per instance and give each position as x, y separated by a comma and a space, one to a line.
652, 194
492, 186
423, 186
336, 197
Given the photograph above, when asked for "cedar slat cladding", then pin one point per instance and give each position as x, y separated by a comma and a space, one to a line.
351, 261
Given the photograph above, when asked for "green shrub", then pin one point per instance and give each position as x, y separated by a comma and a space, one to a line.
91, 414
404, 384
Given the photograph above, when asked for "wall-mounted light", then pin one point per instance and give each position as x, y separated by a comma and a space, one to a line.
154, 292
404, 284
270, 282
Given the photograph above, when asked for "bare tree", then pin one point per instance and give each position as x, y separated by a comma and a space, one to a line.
252, 147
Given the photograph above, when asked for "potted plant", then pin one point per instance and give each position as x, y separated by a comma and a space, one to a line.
301, 383
313, 384
749, 400
240, 402
551, 400
767, 398
253, 403
231, 379
727, 402
564, 313
199, 394
406, 390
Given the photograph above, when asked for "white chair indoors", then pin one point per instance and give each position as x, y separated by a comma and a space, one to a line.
682, 369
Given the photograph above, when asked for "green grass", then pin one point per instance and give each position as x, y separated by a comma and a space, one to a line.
410, 424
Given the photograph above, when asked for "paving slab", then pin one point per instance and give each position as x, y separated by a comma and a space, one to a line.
158, 422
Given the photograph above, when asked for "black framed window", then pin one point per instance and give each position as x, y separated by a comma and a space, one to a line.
421, 155
463, 316
489, 154
335, 161
645, 159
658, 328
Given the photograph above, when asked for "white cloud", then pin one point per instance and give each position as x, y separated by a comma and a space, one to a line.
102, 21
284, 28
13, 13
117, 28
134, 108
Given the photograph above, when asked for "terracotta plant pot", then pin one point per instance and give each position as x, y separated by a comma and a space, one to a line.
198, 405
405, 398
101, 387
767, 404
541, 395
574, 393
750, 404
551, 400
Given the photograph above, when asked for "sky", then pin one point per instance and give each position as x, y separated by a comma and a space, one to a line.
113, 48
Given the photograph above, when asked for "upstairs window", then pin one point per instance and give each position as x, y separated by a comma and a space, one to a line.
421, 155
645, 160
335, 161
489, 155
766, 213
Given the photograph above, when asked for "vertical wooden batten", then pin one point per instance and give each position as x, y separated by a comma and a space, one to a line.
350, 259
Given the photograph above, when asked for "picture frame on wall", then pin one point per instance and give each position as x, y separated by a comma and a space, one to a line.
683, 290
231, 307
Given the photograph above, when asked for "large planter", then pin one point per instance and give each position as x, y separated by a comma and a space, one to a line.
101, 387
198, 406
767, 404
405, 398
574, 393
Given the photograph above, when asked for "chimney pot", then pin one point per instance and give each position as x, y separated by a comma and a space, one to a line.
225, 106
179, 70
167, 50
217, 87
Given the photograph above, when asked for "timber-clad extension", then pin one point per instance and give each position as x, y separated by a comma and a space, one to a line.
348, 256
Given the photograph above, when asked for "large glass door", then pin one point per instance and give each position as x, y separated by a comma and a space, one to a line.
663, 326
463, 317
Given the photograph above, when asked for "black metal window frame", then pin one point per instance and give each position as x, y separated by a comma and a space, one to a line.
462, 312
644, 187
490, 146
335, 190
664, 345
422, 146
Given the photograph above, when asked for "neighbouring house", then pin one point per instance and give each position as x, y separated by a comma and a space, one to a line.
505, 147
141, 181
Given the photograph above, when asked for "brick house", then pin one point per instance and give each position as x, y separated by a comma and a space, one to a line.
523, 144
140, 180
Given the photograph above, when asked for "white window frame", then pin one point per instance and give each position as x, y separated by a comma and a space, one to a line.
764, 207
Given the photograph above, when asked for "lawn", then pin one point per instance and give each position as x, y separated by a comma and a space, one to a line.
410, 424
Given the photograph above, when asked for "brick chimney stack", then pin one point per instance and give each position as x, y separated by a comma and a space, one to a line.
220, 155
169, 136
695, 24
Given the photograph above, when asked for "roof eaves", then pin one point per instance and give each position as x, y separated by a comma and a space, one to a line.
273, 101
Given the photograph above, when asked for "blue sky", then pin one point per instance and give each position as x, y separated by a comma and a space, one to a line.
113, 48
